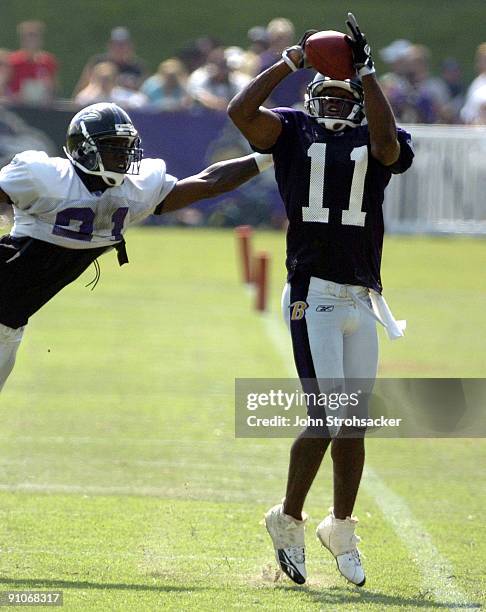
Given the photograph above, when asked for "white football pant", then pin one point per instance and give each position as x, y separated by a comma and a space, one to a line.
9, 343
333, 336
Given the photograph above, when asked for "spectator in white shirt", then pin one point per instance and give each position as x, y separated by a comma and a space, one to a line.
474, 95
216, 83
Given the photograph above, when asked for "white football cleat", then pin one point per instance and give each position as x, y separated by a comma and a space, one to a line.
287, 536
337, 535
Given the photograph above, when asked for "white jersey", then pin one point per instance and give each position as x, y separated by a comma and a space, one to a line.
51, 202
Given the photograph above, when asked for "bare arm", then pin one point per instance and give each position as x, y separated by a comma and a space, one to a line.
381, 122
215, 180
83, 79
260, 126
211, 101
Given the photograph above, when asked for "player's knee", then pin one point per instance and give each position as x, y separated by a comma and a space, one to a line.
309, 442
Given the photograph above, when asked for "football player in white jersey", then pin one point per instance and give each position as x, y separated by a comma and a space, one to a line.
67, 212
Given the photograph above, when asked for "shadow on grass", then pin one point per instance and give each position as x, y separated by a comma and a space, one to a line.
338, 596
331, 596
38, 583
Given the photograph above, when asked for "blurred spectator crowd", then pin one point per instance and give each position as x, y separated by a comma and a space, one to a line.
207, 74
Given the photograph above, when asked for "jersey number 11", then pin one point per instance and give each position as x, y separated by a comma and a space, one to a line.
317, 212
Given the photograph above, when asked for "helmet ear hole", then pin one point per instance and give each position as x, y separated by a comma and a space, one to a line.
90, 160
87, 155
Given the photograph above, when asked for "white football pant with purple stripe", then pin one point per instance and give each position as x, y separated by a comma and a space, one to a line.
332, 334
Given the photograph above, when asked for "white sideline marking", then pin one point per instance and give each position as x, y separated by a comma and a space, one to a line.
436, 570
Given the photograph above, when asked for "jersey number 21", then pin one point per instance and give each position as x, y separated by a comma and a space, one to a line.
317, 212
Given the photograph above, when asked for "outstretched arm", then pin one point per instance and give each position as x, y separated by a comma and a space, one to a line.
216, 179
381, 121
260, 126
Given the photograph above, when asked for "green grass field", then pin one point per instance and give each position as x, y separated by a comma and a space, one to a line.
121, 481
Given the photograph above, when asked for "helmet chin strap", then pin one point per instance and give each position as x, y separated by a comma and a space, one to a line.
317, 92
112, 179
335, 125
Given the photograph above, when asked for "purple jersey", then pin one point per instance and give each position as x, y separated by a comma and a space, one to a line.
333, 192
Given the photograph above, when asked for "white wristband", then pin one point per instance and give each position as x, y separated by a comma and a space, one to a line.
288, 61
365, 71
263, 161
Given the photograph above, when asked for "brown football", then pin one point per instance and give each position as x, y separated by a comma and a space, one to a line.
330, 54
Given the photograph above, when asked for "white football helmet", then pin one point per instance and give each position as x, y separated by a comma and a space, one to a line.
334, 112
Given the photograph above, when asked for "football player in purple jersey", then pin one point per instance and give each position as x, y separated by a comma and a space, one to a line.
69, 211
332, 165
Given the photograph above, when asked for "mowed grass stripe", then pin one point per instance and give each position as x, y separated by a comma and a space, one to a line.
196, 492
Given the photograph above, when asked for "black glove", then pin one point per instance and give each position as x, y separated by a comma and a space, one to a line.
299, 47
363, 61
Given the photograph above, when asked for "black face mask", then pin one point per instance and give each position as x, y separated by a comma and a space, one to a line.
122, 159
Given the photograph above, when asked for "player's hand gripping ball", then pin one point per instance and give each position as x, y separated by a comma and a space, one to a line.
329, 54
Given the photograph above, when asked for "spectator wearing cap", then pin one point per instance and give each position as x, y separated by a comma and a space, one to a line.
394, 82
280, 35
395, 56
258, 39
121, 52
33, 78
166, 90
415, 95
474, 94
257, 45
